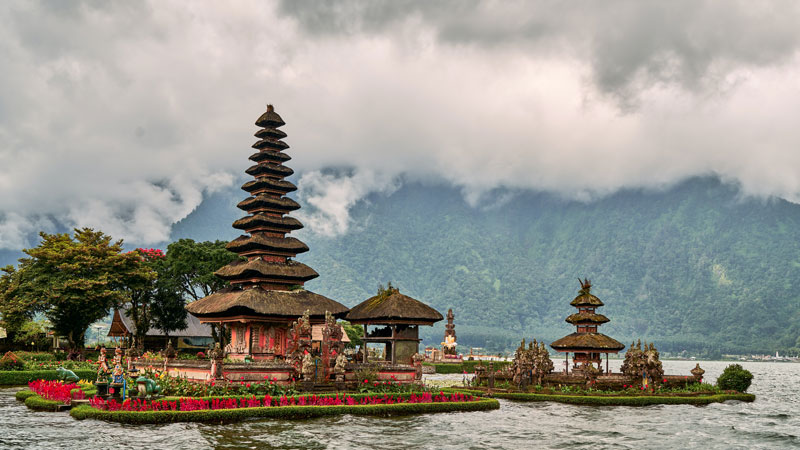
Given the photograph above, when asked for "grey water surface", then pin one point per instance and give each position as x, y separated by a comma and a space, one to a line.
772, 421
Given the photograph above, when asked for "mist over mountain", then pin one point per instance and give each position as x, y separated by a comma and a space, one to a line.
697, 267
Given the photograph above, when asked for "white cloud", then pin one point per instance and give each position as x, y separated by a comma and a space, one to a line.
121, 116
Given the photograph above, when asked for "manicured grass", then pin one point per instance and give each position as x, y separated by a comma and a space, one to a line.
23, 394
23, 377
637, 400
278, 412
37, 403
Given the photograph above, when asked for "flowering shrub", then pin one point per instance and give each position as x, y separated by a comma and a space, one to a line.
56, 390
199, 404
151, 253
10, 361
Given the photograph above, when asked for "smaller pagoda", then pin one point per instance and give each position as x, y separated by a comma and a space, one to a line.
449, 344
586, 343
396, 319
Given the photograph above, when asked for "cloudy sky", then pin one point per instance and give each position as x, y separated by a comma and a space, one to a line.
124, 115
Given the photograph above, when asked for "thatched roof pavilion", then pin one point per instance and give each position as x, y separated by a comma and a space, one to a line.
586, 343
266, 287
400, 317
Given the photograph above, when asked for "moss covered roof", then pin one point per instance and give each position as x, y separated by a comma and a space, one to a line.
285, 223
264, 243
392, 306
266, 201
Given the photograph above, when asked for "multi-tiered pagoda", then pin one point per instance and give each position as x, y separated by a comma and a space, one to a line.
266, 286
586, 343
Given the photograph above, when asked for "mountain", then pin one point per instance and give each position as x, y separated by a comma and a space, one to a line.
696, 267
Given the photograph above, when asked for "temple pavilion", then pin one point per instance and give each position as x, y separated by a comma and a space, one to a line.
266, 291
586, 344
395, 319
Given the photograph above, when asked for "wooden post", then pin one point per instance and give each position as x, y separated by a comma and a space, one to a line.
567, 361
366, 349
606, 363
394, 343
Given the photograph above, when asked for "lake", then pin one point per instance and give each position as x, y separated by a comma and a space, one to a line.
772, 421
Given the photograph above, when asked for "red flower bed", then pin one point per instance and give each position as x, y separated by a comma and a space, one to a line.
56, 390
196, 404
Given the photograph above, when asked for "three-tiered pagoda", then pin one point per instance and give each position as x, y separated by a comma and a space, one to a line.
266, 289
586, 343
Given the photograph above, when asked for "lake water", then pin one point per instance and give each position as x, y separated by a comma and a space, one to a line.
772, 421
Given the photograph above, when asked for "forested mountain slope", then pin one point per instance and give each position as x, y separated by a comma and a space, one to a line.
694, 268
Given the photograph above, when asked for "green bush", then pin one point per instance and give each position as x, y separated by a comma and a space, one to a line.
281, 412
23, 377
39, 404
641, 400
37, 356
735, 378
23, 394
466, 366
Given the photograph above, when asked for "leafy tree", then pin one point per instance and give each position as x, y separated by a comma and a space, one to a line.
190, 266
735, 378
14, 313
354, 332
32, 332
74, 281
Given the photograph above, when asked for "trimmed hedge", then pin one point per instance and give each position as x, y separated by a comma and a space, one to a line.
641, 400
37, 403
278, 412
23, 377
468, 366
23, 394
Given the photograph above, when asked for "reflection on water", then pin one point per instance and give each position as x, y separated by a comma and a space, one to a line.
772, 421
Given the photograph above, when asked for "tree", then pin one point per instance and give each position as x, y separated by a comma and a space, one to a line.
14, 313
74, 281
354, 332
191, 265
735, 378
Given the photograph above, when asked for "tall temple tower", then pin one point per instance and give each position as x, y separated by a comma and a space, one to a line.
586, 343
266, 286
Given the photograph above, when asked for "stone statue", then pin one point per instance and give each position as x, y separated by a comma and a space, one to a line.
308, 367
169, 352
416, 360
341, 367
66, 375
102, 365
697, 373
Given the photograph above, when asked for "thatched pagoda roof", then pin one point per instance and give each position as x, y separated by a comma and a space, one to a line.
587, 342
585, 297
269, 183
257, 268
266, 201
270, 132
269, 169
271, 143
270, 119
266, 244
393, 307
285, 223
269, 156
261, 302
585, 317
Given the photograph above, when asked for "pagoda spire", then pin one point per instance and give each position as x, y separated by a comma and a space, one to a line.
268, 249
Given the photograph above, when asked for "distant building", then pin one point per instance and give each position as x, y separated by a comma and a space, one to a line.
196, 335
